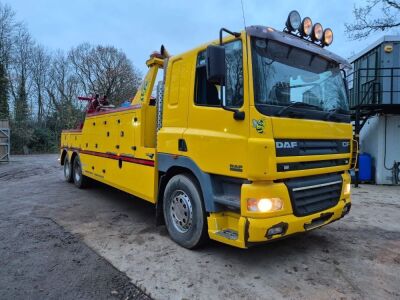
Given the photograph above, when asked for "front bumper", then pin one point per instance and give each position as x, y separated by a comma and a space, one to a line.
251, 231
258, 228
249, 228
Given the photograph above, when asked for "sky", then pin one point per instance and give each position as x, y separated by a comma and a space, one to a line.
140, 27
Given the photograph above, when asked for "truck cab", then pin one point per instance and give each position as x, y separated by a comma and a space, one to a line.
249, 139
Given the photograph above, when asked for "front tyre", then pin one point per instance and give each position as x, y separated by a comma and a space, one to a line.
184, 212
79, 179
67, 169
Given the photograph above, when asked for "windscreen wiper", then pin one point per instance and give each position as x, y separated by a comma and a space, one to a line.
332, 113
297, 104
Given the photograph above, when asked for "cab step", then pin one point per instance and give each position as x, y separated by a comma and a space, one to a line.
227, 228
228, 233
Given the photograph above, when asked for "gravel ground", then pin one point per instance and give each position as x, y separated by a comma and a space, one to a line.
39, 259
57, 241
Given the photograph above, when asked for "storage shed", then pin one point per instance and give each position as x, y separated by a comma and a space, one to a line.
374, 86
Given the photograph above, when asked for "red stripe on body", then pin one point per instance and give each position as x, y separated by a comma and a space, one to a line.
134, 160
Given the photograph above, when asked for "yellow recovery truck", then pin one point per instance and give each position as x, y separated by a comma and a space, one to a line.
249, 139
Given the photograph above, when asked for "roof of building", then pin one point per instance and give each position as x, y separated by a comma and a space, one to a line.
384, 39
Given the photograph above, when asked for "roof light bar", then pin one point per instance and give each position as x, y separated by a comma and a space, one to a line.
307, 30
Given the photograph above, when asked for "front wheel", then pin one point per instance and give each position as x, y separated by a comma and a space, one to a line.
184, 212
79, 179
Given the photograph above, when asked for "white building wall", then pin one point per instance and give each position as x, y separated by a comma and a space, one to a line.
372, 141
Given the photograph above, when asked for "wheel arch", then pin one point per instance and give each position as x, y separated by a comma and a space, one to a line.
170, 164
63, 154
74, 154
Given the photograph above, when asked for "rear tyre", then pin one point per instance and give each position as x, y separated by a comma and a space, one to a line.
80, 180
67, 170
184, 211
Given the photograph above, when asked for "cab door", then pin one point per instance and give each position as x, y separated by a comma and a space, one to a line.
214, 139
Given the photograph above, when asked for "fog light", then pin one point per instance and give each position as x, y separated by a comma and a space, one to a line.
280, 228
264, 204
347, 189
275, 230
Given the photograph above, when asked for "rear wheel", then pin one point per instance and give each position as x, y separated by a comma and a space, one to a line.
184, 212
67, 169
79, 179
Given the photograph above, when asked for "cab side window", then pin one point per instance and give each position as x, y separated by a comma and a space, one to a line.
208, 94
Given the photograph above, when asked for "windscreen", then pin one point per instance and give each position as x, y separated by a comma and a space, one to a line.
286, 76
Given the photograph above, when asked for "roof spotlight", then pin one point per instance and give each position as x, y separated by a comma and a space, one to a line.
328, 37
317, 32
306, 27
293, 21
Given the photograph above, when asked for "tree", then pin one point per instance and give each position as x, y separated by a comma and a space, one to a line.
4, 109
62, 89
20, 75
7, 28
105, 70
21, 113
21, 65
365, 22
39, 69
39, 88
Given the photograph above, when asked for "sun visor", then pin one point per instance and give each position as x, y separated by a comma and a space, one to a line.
294, 41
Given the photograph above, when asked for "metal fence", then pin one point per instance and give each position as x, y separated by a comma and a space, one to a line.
374, 86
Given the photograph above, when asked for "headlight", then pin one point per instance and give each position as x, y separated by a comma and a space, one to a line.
347, 188
264, 204
317, 32
328, 36
293, 21
306, 26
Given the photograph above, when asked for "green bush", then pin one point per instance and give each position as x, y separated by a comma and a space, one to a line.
43, 140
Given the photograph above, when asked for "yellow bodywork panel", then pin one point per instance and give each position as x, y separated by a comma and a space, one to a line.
175, 104
111, 146
117, 147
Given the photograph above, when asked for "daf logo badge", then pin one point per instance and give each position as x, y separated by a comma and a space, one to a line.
286, 145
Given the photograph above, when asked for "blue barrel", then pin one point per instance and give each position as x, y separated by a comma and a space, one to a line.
365, 167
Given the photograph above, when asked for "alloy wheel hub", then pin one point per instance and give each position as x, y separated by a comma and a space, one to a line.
181, 211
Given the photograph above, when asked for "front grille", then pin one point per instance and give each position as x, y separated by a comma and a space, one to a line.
289, 147
304, 165
315, 193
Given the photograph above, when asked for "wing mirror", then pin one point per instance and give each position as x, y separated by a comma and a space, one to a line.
216, 74
215, 64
